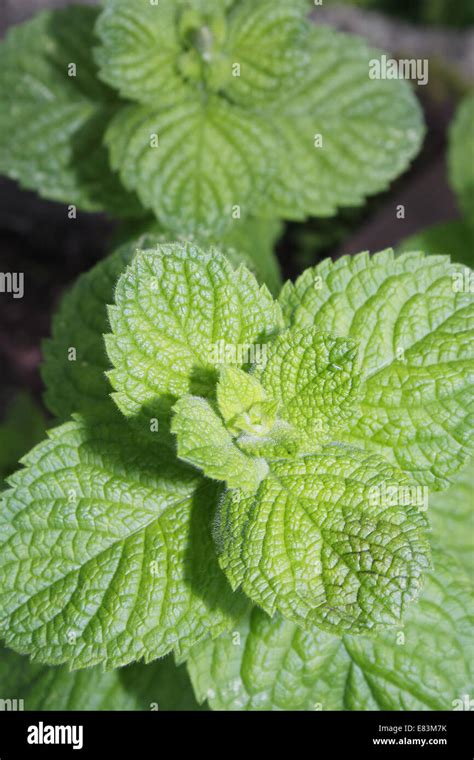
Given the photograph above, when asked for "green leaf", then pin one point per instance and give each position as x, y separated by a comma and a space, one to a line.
178, 310
237, 392
76, 382
342, 135
43, 688
335, 539
159, 685
412, 317
74, 358
139, 49
23, 427
158, 52
195, 164
251, 415
461, 157
455, 238
271, 664
268, 41
106, 553
250, 242
204, 441
313, 378
452, 518
52, 123
230, 102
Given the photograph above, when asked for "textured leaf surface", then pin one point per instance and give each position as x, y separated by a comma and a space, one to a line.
137, 687
251, 242
313, 378
461, 156
370, 130
51, 123
139, 50
413, 322
205, 442
80, 385
106, 552
275, 665
194, 164
235, 99
452, 518
324, 542
268, 40
176, 307
158, 52
454, 238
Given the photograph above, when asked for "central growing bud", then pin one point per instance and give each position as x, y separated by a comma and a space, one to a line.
202, 61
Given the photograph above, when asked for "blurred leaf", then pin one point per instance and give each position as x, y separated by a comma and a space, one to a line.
161, 685
22, 428
453, 238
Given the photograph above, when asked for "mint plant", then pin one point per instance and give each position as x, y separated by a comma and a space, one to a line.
227, 495
208, 111
265, 486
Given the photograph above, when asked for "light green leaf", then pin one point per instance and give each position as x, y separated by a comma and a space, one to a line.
461, 156
76, 382
252, 416
75, 360
106, 553
178, 310
452, 518
335, 539
136, 687
52, 122
342, 135
196, 165
237, 392
205, 442
412, 317
455, 238
271, 664
313, 377
251, 242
